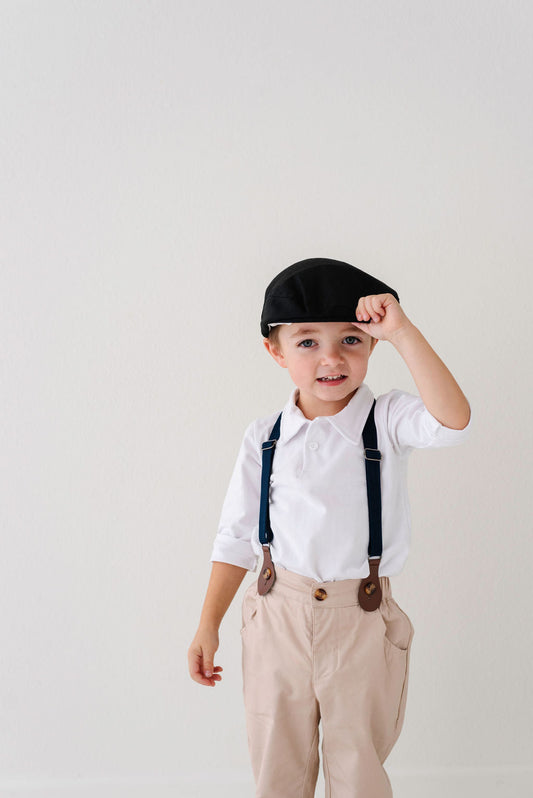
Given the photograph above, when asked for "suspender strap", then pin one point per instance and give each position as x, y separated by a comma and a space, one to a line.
265, 532
370, 592
373, 484
267, 577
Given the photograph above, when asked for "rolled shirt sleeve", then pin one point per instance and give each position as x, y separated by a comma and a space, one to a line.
411, 425
239, 518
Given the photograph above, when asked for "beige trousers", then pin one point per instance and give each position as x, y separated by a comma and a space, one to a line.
311, 655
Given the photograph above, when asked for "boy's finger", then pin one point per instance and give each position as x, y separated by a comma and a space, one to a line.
377, 307
199, 676
206, 682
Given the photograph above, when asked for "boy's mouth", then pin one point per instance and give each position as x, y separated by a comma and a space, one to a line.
334, 379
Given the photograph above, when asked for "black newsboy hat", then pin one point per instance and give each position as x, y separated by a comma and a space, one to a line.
318, 289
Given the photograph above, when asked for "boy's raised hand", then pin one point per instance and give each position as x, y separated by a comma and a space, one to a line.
386, 317
201, 655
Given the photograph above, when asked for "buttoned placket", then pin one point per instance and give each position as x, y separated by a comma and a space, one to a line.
313, 441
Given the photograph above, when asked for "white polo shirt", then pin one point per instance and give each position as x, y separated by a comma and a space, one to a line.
318, 498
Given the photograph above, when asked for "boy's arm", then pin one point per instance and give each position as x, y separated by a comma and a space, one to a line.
223, 584
438, 389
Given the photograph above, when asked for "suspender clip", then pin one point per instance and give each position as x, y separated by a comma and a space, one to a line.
268, 445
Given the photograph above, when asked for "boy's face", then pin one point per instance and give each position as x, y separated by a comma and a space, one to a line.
314, 350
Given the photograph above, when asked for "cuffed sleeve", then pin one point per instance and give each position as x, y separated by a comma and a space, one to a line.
239, 518
411, 425
234, 551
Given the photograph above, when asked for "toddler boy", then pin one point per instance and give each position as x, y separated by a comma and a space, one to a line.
319, 495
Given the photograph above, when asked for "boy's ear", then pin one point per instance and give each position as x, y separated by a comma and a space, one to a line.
275, 351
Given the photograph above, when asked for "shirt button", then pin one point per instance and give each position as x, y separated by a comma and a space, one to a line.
313, 445
320, 594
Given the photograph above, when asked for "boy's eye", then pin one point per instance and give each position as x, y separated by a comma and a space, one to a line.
349, 339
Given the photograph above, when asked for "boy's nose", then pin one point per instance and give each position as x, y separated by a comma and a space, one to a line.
332, 355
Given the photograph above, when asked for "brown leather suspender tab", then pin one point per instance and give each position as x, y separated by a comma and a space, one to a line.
370, 589
267, 577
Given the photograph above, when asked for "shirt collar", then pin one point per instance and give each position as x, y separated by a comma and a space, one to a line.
349, 422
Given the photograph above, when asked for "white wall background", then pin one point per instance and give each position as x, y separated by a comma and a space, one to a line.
161, 161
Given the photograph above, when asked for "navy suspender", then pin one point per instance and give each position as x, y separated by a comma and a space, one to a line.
373, 484
369, 590
265, 532
267, 577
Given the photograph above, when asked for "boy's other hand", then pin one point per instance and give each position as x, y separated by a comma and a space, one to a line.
201, 655
386, 317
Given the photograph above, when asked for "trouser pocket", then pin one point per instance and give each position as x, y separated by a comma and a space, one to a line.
249, 606
397, 637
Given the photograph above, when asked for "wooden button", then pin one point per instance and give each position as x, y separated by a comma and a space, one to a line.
267, 573
320, 594
370, 588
